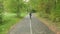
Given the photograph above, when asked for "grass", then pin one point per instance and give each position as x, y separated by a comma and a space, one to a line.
4, 28
10, 20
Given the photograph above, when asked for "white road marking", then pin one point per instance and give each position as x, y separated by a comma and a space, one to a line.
30, 27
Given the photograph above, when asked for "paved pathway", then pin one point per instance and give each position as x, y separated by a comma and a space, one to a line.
33, 26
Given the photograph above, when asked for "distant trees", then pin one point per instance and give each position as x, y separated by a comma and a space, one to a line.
15, 7
48, 9
12, 6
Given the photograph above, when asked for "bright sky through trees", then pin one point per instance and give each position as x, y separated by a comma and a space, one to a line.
26, 0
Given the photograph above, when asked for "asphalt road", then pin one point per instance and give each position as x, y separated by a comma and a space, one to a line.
30, 26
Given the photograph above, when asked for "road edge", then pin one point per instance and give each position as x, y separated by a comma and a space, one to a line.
50, 26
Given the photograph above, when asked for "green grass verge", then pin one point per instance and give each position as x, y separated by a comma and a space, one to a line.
5, 27
11, 19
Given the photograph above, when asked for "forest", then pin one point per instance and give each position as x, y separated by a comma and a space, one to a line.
11, 11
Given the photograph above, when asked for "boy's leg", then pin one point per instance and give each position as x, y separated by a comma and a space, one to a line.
30, 16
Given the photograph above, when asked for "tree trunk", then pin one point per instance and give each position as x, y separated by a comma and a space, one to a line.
18, 11
1, 11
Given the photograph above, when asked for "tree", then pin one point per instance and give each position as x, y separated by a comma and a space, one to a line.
18, 9
1, 12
